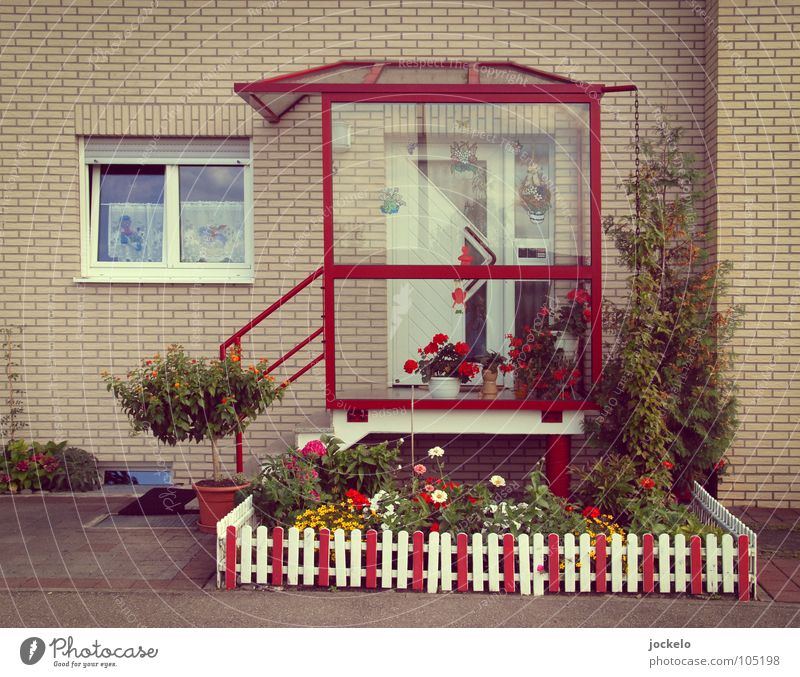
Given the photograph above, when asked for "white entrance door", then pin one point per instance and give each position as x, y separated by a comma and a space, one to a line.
445, 211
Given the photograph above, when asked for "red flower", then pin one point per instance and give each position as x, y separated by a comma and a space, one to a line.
587, 314
506, 368
431, 349
516, 342
410, 366
647, 482
719, 465
545, 311
461, 348
514, 354
358, 499
667, 465
559, 374
591, 512
569, 508
435, 528
527, 347
438, 339
472, 499
468, 369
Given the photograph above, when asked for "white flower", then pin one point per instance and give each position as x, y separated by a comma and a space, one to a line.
402, 440
497, 481
436, 452
399, 467
439, 496
375, 501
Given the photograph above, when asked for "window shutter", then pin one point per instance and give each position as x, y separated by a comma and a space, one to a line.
163, 150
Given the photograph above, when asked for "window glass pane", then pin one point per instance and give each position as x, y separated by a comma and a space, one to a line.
415, 183
212, 214
131, 218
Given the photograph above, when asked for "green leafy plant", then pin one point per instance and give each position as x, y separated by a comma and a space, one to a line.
26, 466
177, 398
665, 395
77, 471
366, 467
11, 422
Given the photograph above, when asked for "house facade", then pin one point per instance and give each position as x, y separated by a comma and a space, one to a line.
176, 213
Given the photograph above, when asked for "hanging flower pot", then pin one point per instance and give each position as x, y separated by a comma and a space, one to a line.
537, 215
444, 387
391, 201
535, 195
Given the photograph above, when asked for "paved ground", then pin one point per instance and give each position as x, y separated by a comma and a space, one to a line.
60, 566
46, 544
382, 609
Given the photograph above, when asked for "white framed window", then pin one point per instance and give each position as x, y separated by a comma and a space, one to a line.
166, 210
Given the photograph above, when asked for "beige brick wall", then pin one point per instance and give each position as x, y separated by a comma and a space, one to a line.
757, 203
160, 67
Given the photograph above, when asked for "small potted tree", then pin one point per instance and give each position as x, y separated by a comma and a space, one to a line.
177, 398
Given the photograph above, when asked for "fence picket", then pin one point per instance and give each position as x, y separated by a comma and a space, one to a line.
230, 558
727, 563
712, 561
308, 556
355, 558
679, 563
387, 559
262, 550
570, 577
445, 544
340, 555
477, 563
493, 552
744, 568
246, 567
524, 550
648, 564
663, 563
324, 578
509, 575
417, 560
696, 560
553, 564
585, 546
402, 560
462, 562
372, 559
433, 562
293, 559
616, 563
277, 556
539, 574
632, 567
601, 563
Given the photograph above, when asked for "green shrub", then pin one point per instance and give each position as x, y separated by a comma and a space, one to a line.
77, 471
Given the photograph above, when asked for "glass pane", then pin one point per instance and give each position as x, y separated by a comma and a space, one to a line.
416, 183
395, 318
415, 74
131, 218
499, 75
212, 214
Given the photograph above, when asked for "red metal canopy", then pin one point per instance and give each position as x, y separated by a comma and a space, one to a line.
273, 97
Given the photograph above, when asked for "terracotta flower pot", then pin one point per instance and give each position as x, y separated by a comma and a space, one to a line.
521, 391
489, 389
215, 503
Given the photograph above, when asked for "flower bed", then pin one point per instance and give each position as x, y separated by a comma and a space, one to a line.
527, 564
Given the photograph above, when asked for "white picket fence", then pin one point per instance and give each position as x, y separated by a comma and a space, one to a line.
530, 565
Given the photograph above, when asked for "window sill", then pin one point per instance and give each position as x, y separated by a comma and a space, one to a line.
244, 281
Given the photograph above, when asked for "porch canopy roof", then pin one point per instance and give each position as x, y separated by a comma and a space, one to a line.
273, 97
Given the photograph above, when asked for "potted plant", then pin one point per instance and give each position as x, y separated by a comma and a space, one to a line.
535, 195
492, 363
177, 398
574, 318
443, 366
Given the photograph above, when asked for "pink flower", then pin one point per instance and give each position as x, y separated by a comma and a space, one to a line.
314, 495
420, 469
314, 447
429, 488
540, 568
22, 466
5, 478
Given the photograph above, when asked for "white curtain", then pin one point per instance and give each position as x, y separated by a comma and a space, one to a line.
212, 232
138, 237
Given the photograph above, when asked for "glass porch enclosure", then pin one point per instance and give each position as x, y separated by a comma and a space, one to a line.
468, 219
459, 198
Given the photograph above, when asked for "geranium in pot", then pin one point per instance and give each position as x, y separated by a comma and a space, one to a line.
443, 366
177, 398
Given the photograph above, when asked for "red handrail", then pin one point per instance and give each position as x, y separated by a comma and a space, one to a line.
236, 339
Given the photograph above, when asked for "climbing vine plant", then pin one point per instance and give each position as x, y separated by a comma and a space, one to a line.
667, 397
